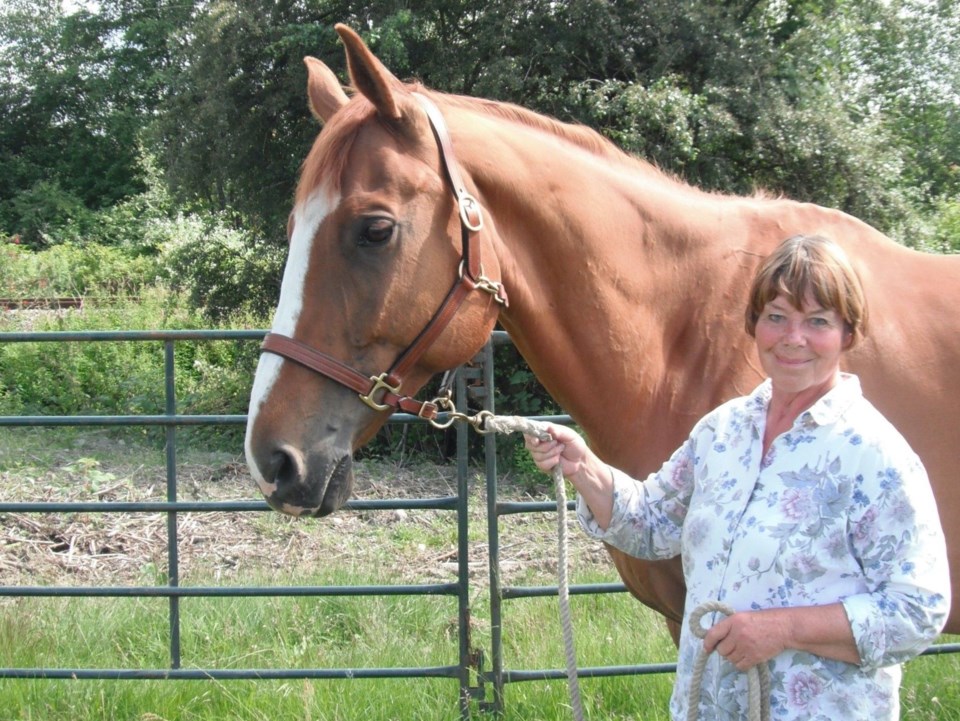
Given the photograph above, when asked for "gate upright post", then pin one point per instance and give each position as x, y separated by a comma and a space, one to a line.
463, 550
493, 536
173, 551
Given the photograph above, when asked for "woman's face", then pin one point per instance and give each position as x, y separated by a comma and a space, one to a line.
800, 349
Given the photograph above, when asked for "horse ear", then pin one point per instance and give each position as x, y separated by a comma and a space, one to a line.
323, 90
370, 76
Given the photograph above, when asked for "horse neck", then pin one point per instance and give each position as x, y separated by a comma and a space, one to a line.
593, 251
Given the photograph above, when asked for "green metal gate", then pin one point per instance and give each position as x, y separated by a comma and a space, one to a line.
477, 683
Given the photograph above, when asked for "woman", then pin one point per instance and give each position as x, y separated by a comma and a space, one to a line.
798, 505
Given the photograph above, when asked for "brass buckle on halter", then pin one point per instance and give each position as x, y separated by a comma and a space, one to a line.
469, 205
378, 383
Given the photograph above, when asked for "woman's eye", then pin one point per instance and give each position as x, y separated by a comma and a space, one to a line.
376, 231
819, 322
774, 317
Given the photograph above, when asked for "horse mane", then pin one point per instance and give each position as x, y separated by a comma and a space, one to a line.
330, 151
579, 135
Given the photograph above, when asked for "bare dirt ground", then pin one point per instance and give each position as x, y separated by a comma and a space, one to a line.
127, 549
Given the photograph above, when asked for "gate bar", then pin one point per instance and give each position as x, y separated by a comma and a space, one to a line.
173, 541
444, 503
427, 589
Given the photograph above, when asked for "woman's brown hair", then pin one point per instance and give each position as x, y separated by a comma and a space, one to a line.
815, 264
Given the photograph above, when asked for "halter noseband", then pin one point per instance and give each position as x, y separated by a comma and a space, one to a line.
470, 277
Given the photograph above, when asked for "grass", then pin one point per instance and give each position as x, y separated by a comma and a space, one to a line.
343, 633
330, 632
306, 633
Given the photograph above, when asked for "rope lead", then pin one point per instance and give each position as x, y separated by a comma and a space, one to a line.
518, 424
758, 677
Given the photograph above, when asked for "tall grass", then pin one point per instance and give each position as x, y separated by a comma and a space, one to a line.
126, 377
312, 633
232, 633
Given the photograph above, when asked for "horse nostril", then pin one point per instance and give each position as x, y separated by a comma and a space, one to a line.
287, 467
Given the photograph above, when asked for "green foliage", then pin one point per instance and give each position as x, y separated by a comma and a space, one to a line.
46, 210
222, 271
664, 123
117, 377
843, 103
88, 471
793, 97
209, 271
74, 271
517, 390
68, 138
218, 269
947, 226
235, 127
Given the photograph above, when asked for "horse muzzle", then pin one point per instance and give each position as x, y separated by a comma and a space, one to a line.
303, 484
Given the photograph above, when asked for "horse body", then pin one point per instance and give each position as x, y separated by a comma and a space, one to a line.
626, 290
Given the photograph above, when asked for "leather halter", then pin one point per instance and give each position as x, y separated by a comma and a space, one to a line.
470, 277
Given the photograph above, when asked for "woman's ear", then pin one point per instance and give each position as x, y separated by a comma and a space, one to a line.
848, 336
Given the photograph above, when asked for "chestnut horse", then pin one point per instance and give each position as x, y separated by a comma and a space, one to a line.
626, 293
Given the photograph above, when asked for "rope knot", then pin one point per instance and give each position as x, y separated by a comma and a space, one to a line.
702, 610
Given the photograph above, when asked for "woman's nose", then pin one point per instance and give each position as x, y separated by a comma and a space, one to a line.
793, 334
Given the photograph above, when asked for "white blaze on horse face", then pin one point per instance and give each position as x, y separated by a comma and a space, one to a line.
307, 218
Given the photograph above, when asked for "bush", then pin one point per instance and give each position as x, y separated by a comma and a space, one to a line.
947, 226
221, 271
127, 377
45, 211
69, 270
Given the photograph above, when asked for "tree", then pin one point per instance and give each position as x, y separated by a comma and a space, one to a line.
79, 90
848, 103
735, 96
827, 102
236, 125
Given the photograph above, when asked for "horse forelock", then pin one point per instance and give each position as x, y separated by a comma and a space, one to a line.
328, 157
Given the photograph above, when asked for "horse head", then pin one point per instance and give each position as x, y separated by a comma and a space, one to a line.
382, 287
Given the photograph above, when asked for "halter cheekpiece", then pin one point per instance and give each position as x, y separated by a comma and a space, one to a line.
383, 392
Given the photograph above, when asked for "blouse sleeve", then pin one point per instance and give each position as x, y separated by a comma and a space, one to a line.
896, 536
647, 515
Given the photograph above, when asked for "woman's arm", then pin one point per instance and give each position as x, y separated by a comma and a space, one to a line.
896, 536
748, 638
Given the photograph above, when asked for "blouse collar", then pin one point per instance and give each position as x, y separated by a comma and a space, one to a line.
828, 409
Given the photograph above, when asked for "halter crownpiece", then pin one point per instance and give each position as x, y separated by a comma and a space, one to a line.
470, 277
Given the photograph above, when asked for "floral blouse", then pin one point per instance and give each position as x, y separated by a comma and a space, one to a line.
840, 509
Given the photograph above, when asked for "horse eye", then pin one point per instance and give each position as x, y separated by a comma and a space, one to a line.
376, 231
